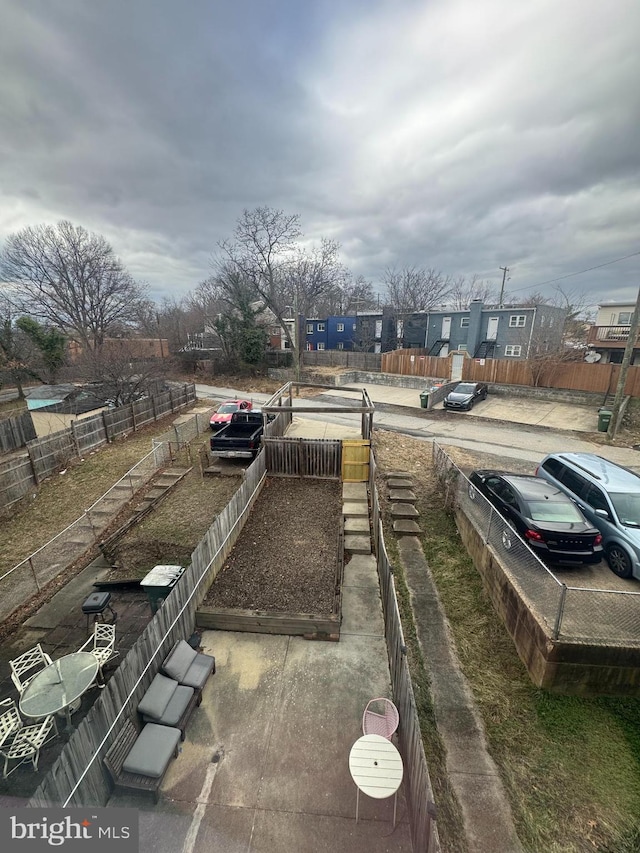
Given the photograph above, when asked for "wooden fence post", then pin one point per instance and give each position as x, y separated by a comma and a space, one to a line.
106, 427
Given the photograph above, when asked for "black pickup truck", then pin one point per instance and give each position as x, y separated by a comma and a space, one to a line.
241, 437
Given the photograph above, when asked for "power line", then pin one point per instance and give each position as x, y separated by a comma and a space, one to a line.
571, 274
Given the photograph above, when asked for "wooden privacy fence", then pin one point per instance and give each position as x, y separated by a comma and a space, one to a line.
303, 457
417, 782
77, 778
415, 362
343, 358
16, 431
574, 375
45, 455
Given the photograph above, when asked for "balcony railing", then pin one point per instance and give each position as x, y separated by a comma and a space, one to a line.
608, 334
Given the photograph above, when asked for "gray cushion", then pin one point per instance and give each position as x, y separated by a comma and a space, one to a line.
174, 710
154, 702
179, 660
152, 751
200, 669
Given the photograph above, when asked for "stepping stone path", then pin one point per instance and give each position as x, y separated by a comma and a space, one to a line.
402, 499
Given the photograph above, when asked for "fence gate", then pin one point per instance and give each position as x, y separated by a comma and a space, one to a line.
457, 360
355, 460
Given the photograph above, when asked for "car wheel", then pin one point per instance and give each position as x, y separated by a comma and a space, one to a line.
472, 492
619, 561
507, 541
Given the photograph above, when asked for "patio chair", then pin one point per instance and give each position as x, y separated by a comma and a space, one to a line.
380, 718
101, 644
27, 665
22, 743
10, 721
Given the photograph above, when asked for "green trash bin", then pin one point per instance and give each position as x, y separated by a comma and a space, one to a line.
604, 417
424, 399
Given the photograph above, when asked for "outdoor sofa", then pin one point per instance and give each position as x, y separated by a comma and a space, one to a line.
168, 703
187, 666
139, 757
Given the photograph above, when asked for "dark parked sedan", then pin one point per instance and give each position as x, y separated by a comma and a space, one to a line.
465, 395
549, 522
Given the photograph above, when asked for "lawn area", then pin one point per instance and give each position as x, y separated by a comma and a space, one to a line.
63, 497
571, 766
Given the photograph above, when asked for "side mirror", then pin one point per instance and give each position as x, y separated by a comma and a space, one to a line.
602, 513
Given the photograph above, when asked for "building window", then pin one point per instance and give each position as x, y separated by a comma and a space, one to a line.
321, 327
354, 327
340, 345
309, 346
340, 327
309, 328
517, 321
464, 322
624, 318
512, 350
321, 346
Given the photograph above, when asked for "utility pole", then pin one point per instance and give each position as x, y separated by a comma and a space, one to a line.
505, 270
624, 369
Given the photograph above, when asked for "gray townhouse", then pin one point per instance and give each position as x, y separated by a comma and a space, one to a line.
510, 331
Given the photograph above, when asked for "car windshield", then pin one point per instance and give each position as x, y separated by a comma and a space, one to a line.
225, 408
627, 507
465, 388
554, 511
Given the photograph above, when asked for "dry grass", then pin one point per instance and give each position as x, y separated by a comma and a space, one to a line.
571, 766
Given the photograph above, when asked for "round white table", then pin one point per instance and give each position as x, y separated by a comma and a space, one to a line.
376, 768
59, 685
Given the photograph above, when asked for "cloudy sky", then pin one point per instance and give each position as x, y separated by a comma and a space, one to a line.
463, 135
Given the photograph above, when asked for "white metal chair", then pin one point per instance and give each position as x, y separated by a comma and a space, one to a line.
10, 721
20, 743
27, 665
380, 718
101, 644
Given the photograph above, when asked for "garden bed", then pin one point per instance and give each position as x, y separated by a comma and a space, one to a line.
284, 574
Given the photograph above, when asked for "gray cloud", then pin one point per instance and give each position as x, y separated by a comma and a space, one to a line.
451, 134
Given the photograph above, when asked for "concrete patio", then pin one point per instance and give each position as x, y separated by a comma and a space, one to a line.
264, 766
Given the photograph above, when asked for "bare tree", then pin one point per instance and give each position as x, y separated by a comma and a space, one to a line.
263, 244
464, 291
311, 275
576, 304
118, 370
71, 279
415, 289
287, 278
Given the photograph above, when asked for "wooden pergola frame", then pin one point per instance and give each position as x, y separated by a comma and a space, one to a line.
365, 408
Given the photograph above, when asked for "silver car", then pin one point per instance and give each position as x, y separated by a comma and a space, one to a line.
609, 496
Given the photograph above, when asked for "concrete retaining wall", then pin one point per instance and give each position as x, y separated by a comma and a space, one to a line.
562, 666
552, 395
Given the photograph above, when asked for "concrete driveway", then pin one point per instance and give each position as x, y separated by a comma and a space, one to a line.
514, 409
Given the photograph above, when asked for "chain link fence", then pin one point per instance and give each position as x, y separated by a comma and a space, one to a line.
568, 612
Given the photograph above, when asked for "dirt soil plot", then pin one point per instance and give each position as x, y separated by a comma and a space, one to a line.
286, 556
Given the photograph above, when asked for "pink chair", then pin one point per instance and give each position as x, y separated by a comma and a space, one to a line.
380, 718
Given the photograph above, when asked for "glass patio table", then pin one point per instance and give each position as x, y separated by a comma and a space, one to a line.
58, 686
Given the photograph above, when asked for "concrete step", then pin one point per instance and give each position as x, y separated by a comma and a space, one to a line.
354, 492
355, 510
403, 475
357, 544
406, 527
403, 496
356, 525
400, 483
404, 511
